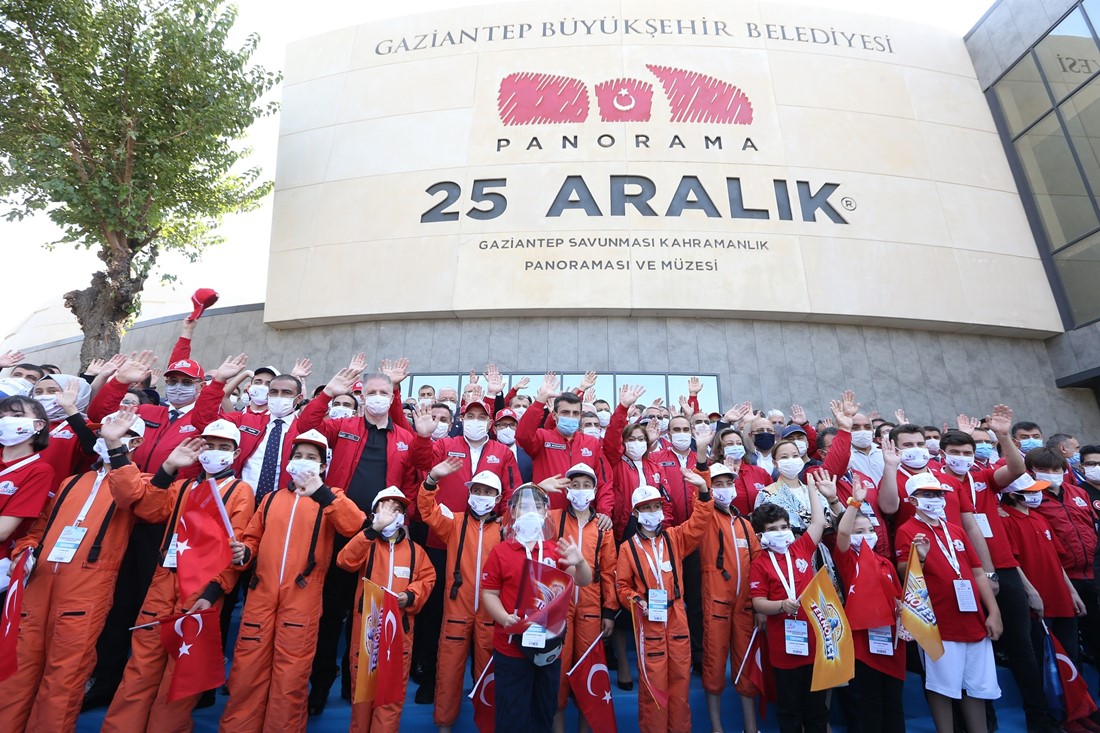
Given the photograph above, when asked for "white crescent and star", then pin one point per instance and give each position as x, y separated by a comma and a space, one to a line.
488, 681
1064, 658
588, 683
624, 107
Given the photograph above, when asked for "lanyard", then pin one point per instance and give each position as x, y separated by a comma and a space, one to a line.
59, 427
949, 551
100, 475
527, 550
655, 559
973, 492
788, 585
17, 466
736, 554
580, 544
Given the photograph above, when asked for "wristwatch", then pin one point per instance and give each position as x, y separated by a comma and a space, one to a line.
993, 577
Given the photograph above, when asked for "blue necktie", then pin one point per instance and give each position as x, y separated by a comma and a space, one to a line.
269, 471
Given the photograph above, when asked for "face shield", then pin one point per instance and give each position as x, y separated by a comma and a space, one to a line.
529, 515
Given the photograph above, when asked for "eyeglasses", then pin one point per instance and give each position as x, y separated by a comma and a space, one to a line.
173, 381
1090, 464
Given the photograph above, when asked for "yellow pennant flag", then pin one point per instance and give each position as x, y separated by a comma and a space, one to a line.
835, 662
917, 616
366, 677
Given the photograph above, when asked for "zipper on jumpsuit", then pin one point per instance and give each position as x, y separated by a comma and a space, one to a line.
286, 542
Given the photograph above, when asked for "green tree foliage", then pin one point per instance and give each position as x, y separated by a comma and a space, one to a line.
120, 120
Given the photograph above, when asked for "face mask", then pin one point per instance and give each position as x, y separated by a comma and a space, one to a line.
1075, 459
280, 406
215, 461
635, 449
915, 457
592, 431
378, 404
777, 540
651, 520
568, 425
604, 417
736, 452
441, 430
581, 498
16, 430
452, 406
862, 438
1092, 473
528, 527
1055, 479
257, 394
481, 504
506, 435
12, 386
959, 464
54, 410
1033, 499
867, 540
764, 442
475, 430
338, 412
302, 467
1028, 444
662, 424
519, 412
702, 430
100, 449
933, 445
724, 496
985, 452
391, 529
180, 394
802, 446
933, 506
789, 467
681, 441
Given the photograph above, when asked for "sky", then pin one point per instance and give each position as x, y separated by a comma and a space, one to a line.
238, 268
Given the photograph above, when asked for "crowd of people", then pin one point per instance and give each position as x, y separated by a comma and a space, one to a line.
710, 525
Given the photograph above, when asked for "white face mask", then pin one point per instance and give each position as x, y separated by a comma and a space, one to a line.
777, 540
802, 446
724, 496
1033, 499
581, 498
452, 406
651, 520
338, 412
662, 424
789, 467
280, 406
257, 394
101, 449
932, 506
865, 540
12, 386
592, 431
441, 430
635, 449
1055, 479
506, 435
528, 527
680, 441
932, 444
1092, 473
16, 430
734, 452
915, 457
959, 464
702, 431
302, 467
474, 429
391, 529
519, 412
54, 410
481, 504
215, 461
604, 417
862, 438
378, 404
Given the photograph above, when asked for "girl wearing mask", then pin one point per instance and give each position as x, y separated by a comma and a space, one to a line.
64, 398
626, 447
24, 435
789, 492
728, 449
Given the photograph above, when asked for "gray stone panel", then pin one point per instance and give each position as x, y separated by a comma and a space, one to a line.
1030, 17
683, 350
562, 343
652, 344
504, 343
473, 349
592, 344
623, 351
1004, 36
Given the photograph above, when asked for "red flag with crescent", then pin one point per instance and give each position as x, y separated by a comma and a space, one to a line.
591, 685
391, 647
1079, 703
484, 697
9, 621
202, 539
194, 643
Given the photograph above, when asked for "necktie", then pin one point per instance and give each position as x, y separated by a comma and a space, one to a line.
269, 471
173, 415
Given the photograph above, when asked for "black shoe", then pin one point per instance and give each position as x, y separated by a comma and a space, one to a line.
425, 694
96, 697
317, 702
206, 700
625, 686
697, 668
416, 672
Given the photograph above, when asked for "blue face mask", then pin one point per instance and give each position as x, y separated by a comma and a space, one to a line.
1075, 459
568, 425
1030, 444
984, 451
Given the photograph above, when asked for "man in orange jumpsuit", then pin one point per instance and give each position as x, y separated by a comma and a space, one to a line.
726, 554
470, 536
648, 576
592, 612
78, 542
384, 553
289, 543
141, 702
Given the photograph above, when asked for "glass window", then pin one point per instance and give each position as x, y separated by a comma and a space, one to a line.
1068, 55
1079, 267
1056, 185
654, 387
1022, 95
1081, 113
534, 381
708, 398
438, 381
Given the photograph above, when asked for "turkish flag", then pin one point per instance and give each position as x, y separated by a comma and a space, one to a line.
202, 539
591, 687
194, 642
757, 666
484, 697
9, 622
1079, 703
543, 598
391, 648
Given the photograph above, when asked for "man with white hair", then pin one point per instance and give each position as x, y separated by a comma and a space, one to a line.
777, 419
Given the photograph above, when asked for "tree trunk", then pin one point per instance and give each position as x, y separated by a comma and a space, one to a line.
102, 312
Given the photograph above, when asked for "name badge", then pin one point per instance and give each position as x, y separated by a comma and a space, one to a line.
881, 641
555, 446
455, 454
658, 605
983, 524
151, 424
400, 572
743, 544
666, 566
170, 556
67, 544
964, 595
796, 635
250, 431
534, 637
348, 436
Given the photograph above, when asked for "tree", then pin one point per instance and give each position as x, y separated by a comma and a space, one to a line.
120, 120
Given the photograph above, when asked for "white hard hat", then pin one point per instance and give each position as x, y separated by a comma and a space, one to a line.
486, 478
223, 429
581, 469
313, 437
925, 481
642, 494
138, 428
720, 469
390, 492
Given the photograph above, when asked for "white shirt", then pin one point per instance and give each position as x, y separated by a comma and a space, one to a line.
181, 410
475, 454
869, 464
250, 474
765, 462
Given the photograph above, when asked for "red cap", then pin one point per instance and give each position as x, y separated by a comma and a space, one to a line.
203, 299
476, 403
358, 386
505, 414
186, 367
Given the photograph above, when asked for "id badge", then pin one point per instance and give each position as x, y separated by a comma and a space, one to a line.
881, 640
170, 556
866, 510
796, 634
983, 524
964, 595
67, 544
534, 637
658, 605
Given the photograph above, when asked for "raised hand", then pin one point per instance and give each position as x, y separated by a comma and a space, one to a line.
556, 484
473, 377
395, 369
424, 421
111, 366
798, 415
658, 402
358, 362
844, 410
445, 468
899, 416
136, 367
343, 381
549, 388
184, 455
303, 367
695, 386
231, 367
653, 431
920, 541
494, 382
569, 555
588, 382
859, 491
383, 517
1000, 422
737, 413
827, 422
11, 358
474, 393
694, 479
826, 484
154, 375
115, 427
628, 394
685, 406
522, 384
67, 398
95, 366
891, 456
875, 415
